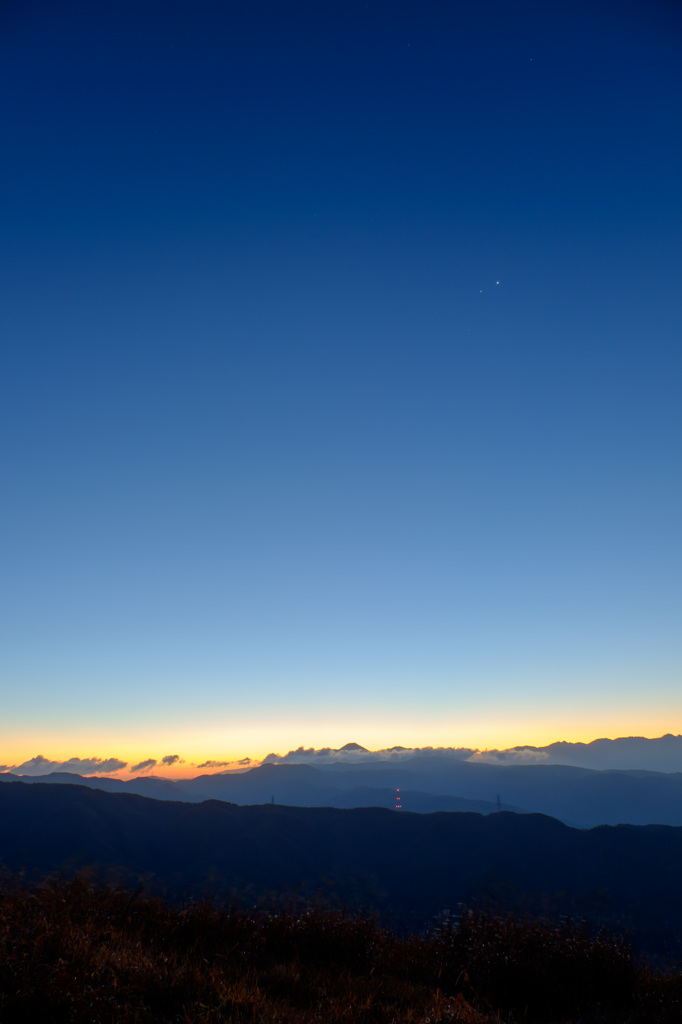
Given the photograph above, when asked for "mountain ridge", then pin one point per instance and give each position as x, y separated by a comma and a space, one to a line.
578, 796
404, 867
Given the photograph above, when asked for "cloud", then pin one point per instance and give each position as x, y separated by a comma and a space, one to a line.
515, 755
234, 766
144, 765
170, 759
354, 753
40, 765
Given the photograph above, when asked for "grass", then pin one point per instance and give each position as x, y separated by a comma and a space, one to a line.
74, 953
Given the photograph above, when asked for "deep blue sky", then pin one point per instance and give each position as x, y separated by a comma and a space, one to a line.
283, 462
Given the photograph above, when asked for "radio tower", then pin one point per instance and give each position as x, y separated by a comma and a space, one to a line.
398, 805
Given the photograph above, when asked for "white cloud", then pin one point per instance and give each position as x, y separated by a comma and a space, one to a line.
40, 765
353, 753
170, 759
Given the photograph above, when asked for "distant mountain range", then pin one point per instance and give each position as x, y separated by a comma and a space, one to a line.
429, 781
405, 867
662, 754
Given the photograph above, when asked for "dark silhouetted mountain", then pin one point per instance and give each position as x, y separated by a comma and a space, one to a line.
412, 800
406, 867
159, 789
292, 787
577, 796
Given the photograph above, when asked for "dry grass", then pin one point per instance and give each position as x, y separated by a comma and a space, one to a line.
71, 952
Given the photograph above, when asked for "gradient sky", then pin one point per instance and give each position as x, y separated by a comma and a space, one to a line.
341, 380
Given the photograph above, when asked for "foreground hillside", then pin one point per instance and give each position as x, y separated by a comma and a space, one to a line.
75, 954
404, 867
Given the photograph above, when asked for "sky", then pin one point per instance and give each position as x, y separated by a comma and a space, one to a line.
340, 376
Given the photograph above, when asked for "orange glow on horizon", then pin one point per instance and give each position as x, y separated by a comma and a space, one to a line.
476, 735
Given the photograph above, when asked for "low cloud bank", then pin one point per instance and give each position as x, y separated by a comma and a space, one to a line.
515, 755
627, 752
40, 765
662, 754
353, 753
